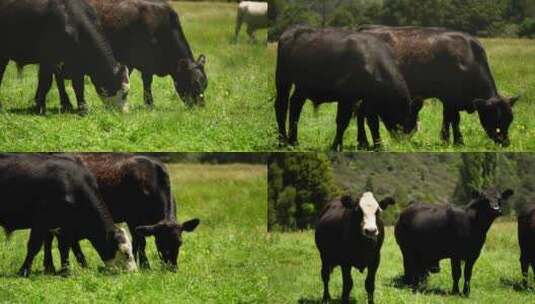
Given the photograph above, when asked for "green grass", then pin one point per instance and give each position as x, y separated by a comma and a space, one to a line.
512, 62
236, 117
294, 274
223, 261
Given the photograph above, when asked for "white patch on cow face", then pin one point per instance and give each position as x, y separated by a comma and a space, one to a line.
369, 207
118, 101
124, 259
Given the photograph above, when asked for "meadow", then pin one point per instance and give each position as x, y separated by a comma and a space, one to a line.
512, 62
222, 261
236, 117
295, 273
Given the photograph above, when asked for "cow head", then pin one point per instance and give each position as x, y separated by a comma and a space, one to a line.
168, 236
367, 209
118, 253
496, 115
114, 92
190, 81
490, 202
402, 122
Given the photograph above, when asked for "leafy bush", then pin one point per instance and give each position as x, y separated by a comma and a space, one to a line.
527, 28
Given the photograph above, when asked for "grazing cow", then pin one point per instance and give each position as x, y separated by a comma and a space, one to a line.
427, 233
331, 64
44, 192
137, 190
350, 234
146, 35
254, 14
526, 240
453, 67
53, 33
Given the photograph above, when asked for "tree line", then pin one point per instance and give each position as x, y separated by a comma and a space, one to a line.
491, 18
300, 184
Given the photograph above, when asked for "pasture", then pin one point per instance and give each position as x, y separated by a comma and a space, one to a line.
222, 261
512, 62
236, 117
294, 275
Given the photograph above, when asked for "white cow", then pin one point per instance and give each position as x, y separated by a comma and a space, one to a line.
254, 14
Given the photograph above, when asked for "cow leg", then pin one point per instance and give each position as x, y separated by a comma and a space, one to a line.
362, 139
79, 254
3, 65
66, 105
281, 108
455, 121
533, 266
147, 89
48, 261
325, 276
33, 247
446, 121
45, 82
250, 32
78, 86
343, 117
239, 20
373, 124
64, 244
455, 274
296, 105
468, 266
347, 283
370, 281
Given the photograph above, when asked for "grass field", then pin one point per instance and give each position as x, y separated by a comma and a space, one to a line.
295, 273
512, 62
223, 261
236, 117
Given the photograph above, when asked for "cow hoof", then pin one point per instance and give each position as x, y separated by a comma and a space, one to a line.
66, 109
40, 110
65, 272
82, 111
50, 270
24, 272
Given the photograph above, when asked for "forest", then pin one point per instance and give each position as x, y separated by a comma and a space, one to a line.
300, 184
496, 18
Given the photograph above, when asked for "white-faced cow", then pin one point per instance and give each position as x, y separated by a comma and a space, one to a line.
46, 192
254, 15
146, 35
427, 233
137, 190
526, 240
53, 33
350, 234
453, 67
326, 65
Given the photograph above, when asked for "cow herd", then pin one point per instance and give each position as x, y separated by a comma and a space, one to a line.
350, 233
105, 40
81, 196
387, 72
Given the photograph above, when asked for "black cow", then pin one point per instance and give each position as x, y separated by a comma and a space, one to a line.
350, 234
526, 240
147, 35
331, 64
137, 190
56, 32
427, 233
44, 192
453, 67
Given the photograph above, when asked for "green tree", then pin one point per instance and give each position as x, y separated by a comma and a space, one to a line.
476, 172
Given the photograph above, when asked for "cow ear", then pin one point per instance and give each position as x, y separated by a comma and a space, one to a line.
147, 230
190, 225
507, 194
386, 202
513, 100
202, 60
347, 201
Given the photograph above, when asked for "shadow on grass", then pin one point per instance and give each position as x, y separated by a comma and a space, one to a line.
32, 112
319, 301
517, 285
399, 282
